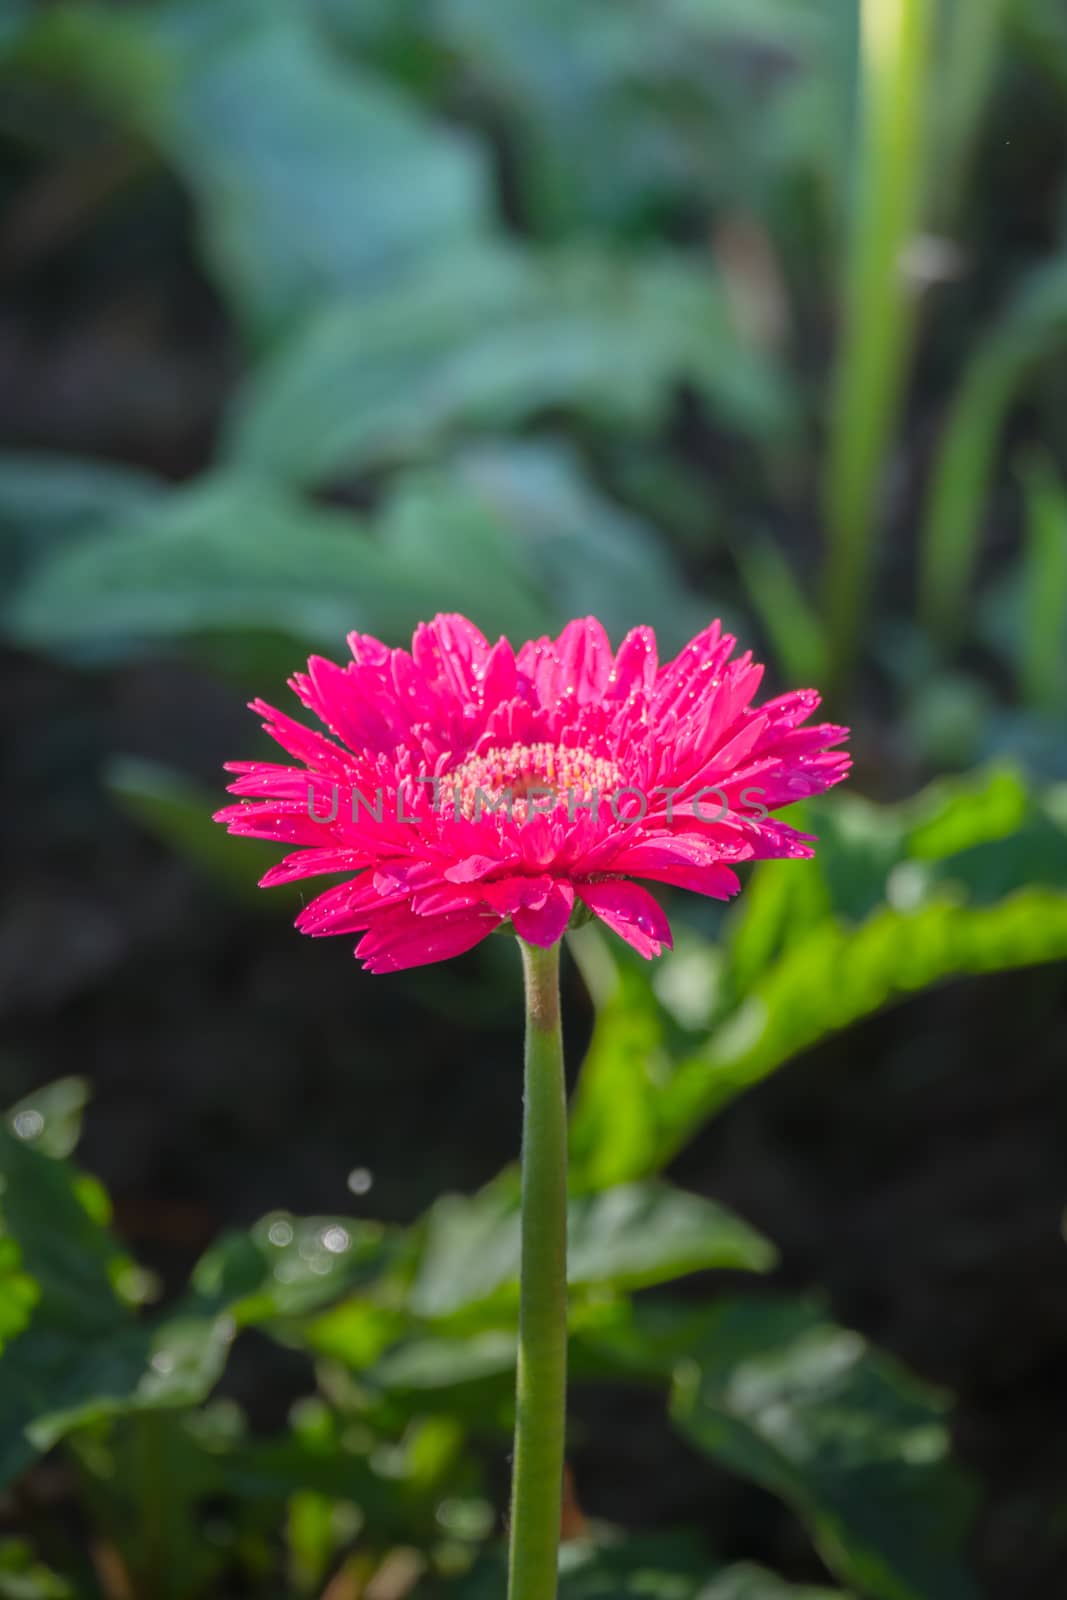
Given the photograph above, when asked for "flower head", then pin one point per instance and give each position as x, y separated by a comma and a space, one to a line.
468, 785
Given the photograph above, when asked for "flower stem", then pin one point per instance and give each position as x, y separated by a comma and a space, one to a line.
537, 1486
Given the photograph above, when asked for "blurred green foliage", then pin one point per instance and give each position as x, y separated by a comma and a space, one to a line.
540, 311
412, 1331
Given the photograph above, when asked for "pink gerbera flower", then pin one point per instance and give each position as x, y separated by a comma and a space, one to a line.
467, 786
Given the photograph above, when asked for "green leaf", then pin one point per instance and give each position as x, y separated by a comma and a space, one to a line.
428, 1366
23, 1577
491, 339
624, 1238
856, 1447
65, 1246
82, 1356
967, 878
639, 1340
225, 555
582, 551
954, 815
231, 558
513, 535
50, 1118
618, 116
179, 813
746, 1582
309, 178
18, 1292
288, 1267
442, 535
1034, 325
840, 974
613, 1127
789, 620
642, 1567
47, 501
1042, 636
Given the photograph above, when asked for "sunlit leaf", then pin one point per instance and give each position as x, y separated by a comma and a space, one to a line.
288, 1267
50, 1118
22, 1576
81, 1354
650, 1567
965, 879
623, 1238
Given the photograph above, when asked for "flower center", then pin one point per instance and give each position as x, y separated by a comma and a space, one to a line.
525, 778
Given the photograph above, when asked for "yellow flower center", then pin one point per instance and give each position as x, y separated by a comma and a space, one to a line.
525, 778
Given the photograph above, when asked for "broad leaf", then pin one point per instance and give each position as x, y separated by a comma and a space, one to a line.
858, 1449
81, 1354
513, 535
225, 556
48, 500
50, 1118
625, 1238
490, 340
644, 1567
287, 1267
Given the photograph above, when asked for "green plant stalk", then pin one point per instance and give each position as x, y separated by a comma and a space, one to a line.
952, 518
970, 58
895, 47
1032, 329
537, 1484
1043, 662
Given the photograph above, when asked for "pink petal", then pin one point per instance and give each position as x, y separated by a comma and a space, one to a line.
508, 895
717, 881
398, 938
583, 651
545, 924
635, 665
346, 908
630, 911
471, 868
313, 863
451, 652
685, 860
312, 748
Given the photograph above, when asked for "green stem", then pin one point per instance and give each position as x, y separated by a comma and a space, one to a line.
971, 56
878, 309
537, 1486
